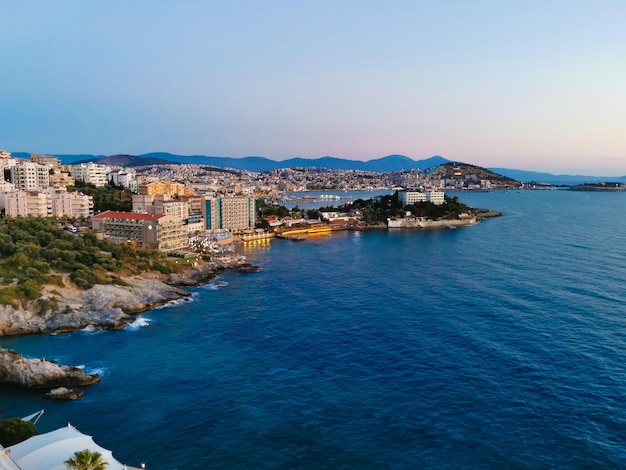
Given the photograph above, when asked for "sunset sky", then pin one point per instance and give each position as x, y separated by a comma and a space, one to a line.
534, 85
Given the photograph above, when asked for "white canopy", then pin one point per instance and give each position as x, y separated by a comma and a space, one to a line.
48, 451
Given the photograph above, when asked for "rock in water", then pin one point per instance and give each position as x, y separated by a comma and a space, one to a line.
18, 371
64, 393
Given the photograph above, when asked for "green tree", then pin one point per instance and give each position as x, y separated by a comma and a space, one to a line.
15, 430
86, 460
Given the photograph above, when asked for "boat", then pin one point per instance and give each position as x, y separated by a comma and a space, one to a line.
299, 233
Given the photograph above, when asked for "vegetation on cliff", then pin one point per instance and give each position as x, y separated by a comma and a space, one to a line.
37, 251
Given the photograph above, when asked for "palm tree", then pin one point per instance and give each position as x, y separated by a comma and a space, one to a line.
86, 460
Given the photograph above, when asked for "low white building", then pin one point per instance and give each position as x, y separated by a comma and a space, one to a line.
436, 197
409, 197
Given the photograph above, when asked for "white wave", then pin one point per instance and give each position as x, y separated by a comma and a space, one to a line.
174, 302
215, 285
101, 371
140, 322
91, 329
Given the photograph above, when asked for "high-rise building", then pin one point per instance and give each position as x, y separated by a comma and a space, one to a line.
232, 213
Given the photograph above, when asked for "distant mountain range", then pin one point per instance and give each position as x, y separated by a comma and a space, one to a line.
260, 164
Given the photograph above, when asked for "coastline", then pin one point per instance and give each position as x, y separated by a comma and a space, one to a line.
114, 307
100, 307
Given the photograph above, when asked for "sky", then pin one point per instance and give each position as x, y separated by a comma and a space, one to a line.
533, 85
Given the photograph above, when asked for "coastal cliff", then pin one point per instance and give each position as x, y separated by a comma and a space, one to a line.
102, 306
19, 371
109, 306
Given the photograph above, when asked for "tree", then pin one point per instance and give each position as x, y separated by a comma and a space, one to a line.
86, 460
15, 430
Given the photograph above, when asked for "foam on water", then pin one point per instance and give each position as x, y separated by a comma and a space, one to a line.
93, 330
172, 303
215, 285
140, 322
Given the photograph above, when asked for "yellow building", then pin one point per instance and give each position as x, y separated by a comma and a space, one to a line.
165, 187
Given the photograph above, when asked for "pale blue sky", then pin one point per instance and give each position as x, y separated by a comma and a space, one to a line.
534, 85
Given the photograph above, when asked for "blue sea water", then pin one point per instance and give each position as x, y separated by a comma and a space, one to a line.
500, 345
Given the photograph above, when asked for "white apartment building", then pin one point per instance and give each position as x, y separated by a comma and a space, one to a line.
28, 176
436, 197
7, 163
90, 173
70, 204
6, 160
126, 178
50, 202
5, 188
409, 197
28, 204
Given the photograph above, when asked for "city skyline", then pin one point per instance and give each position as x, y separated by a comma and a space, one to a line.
534, 86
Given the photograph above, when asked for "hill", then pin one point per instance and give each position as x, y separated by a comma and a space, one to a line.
126, 161
473, 173
258, 164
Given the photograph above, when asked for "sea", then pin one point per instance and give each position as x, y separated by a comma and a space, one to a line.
496, 346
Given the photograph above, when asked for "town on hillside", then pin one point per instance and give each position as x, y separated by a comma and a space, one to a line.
168, 207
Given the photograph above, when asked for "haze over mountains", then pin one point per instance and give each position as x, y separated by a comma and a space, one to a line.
260, 164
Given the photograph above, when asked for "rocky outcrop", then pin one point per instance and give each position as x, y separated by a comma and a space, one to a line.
20, 321
18, 371
145, 292
102, 306
64, 393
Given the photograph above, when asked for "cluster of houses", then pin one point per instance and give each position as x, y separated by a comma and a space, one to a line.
165, 214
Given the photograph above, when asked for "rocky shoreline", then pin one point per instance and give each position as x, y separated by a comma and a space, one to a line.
61, 380
101, 307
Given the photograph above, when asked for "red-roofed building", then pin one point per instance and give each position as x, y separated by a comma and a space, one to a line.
143, 231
